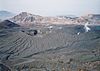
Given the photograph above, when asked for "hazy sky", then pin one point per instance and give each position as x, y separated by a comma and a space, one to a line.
52, 7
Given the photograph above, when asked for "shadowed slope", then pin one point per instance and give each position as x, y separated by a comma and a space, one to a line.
8, 24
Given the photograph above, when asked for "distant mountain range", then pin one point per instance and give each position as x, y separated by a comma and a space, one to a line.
27, 19
6, 15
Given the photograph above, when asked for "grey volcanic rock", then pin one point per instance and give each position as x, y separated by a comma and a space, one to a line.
51, 49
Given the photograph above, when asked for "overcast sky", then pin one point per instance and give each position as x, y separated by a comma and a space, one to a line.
52, 7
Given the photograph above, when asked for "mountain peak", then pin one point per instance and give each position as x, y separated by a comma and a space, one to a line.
25, 19
25, 14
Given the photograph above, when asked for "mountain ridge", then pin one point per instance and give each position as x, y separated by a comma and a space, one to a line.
28, 19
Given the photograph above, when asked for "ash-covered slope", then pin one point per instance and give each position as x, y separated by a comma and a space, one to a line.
8, 24
50, 47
